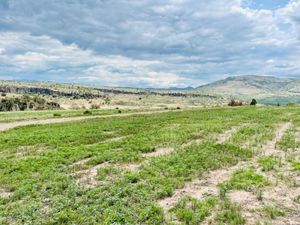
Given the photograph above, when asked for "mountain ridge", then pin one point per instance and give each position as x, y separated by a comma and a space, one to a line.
268, 89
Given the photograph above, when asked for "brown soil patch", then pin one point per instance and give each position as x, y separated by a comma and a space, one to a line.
270, 147
81, 162
200, 188
87, 178
250, 205
227, 135
159, 152
197, 141
283, 196
131, 167
297, 137
4, 193
115, 139
208, 185
24, 151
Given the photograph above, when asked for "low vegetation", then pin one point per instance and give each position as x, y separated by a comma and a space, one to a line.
247, 180
99, 170
229, 214
268, 163
26, 102
192, 211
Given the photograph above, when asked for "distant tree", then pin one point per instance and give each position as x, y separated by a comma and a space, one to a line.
253, 102
278, 104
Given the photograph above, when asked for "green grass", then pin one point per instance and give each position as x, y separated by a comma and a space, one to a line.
43, 190
273, 212
288, 141
268, 163
296, 166
244, 179
47, 114
192, 211
229, 214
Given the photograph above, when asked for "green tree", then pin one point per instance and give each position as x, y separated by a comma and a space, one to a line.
253, 102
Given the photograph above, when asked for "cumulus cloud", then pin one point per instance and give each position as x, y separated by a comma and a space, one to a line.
146, 42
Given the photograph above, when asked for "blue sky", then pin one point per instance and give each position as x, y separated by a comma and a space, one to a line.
148, 43
267, 4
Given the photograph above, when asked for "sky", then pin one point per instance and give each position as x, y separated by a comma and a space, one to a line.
148, 43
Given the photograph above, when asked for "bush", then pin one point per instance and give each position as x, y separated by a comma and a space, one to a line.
87, 112
56, 114
253, 102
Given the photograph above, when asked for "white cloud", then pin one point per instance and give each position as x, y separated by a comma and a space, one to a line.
46, 54
147, 42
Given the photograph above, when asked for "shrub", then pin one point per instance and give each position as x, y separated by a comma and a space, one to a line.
87, 112
253, 102
56, 114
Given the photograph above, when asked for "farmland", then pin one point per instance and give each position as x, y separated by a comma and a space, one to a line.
194, 166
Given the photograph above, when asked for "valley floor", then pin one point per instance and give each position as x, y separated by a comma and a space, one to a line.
201, 166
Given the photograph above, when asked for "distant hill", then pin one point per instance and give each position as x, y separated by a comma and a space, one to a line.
269, 90
172, 89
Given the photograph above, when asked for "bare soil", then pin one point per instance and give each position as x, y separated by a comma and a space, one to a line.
250, 204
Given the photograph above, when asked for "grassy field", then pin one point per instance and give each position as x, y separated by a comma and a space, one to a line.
48, 114
122, 170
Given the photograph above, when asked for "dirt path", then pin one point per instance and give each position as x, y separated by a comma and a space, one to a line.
7, 126
208, 185
227, 134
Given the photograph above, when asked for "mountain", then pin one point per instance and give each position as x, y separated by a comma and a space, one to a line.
173, 89
269, 90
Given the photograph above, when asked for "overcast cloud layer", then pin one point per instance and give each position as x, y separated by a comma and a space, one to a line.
148, 43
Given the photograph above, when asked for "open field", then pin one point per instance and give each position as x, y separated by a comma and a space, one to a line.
7, 117
198, 166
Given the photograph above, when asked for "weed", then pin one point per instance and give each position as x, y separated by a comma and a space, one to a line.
192, 211
296, 166
268, 163
246, 180
273, 212
229, 214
